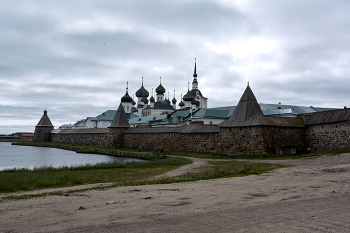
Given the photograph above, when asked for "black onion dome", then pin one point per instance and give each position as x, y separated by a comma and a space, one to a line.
151, 99
194, 102
145, 100
188, 96
181, 104
160, 89
126, 98
166, 100
142, 92
133, 102
174, 101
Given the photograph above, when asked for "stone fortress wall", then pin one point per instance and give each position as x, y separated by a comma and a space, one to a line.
328, 136
247, 131
230, 141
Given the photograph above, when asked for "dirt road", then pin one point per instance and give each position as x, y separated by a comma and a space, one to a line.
312, 196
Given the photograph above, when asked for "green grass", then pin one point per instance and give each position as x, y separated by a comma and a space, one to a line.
98, 149
219, 169
198, 155
15, 140
14, 180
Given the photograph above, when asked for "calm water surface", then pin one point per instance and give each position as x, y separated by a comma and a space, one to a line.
30, 157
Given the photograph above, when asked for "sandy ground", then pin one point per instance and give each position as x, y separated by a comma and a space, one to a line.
312, 196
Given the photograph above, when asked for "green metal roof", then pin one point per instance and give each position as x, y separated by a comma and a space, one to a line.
146, 119
325, 109
212, 113
109, 116
160, 105
174, 118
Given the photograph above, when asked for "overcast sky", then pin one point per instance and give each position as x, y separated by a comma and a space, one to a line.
75, 57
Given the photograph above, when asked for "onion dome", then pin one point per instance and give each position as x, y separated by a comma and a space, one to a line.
142, 92
144, 100
151, 99
166, 100
126, 98
188, 96
181, 104
194, 102
160, 89
174, 100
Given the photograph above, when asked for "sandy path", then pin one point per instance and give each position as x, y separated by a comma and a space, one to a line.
311, 196
197, 162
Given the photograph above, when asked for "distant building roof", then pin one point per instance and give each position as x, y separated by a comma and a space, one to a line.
161, 105
174, 118
109, 116
327, 117
28, 135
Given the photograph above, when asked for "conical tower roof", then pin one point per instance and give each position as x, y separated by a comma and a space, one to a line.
247, 109
120, 119
45, 120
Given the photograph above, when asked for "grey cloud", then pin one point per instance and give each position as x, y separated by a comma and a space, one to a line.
76, 73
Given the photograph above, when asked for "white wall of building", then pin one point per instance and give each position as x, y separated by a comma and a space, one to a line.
90, 124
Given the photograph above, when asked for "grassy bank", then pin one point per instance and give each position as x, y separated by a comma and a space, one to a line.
95, 149
48, 177
132, 174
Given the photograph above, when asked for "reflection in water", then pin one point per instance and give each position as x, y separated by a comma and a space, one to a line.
30, 157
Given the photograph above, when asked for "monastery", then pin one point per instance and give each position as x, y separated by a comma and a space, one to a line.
249, 129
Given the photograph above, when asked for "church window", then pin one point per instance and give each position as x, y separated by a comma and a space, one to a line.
127, 108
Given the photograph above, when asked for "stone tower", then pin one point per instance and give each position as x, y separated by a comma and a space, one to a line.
119, 125
43, 129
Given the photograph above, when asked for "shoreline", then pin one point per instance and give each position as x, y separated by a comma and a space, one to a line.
311, 195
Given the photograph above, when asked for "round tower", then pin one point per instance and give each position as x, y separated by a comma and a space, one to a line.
43, 129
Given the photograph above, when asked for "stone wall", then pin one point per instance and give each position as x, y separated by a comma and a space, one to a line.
80, 138
42, 134
115, 137
297, 133
241, 140
194, 142
328, 136
229, 141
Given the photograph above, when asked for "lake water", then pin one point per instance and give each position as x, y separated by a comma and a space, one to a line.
12, 156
